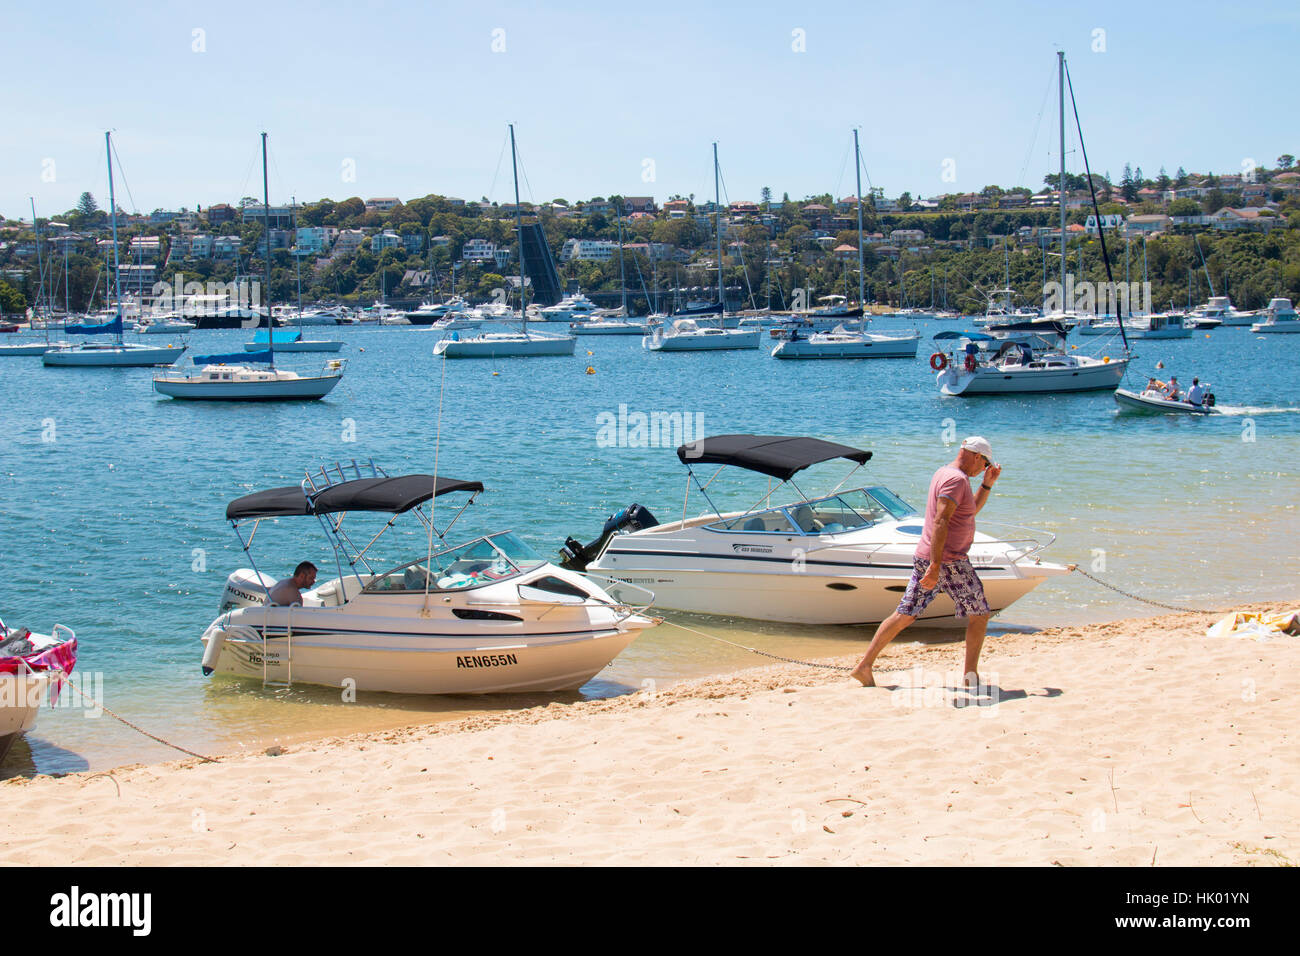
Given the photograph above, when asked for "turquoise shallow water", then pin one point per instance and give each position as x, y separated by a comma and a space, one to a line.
112, 517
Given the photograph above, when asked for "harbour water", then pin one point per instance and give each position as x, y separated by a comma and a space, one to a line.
112, 516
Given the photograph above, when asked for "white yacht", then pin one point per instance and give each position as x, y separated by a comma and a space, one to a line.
505, 344
988, 367
1159, 325
163, 325
686, 335
488, 616
1220, 307
841, 343
430, 313
1280, 316
572, 308
843, 558
608, 326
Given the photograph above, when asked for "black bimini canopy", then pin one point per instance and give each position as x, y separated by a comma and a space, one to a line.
389, 495
780, 456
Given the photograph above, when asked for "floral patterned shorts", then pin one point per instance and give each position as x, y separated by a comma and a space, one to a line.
957, 579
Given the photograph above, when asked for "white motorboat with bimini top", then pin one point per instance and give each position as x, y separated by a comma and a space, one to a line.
487, 616
32, 669
842, 558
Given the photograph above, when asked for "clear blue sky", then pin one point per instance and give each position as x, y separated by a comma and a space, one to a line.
414, 96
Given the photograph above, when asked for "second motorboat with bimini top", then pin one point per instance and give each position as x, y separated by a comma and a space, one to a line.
487, 616
844, 557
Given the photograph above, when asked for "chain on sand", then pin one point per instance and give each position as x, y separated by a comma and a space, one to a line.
165, 743
777, 657
1135, 597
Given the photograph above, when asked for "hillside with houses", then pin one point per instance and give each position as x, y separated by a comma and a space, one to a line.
1238, 231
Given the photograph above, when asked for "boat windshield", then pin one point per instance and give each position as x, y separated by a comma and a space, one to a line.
483, 561
846, 511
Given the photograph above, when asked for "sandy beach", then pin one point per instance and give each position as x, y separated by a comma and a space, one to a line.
1133, 743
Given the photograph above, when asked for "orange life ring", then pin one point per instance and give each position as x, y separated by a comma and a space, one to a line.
970, 363
938, 361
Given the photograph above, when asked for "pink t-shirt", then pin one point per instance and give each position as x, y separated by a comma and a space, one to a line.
949, 482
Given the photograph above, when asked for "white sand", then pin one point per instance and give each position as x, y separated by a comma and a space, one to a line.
1116, 744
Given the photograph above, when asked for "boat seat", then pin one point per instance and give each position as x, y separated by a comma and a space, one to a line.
754, 524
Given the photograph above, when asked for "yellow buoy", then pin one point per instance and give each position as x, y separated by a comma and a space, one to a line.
589, 351
590, 369
496, 373
1105, 359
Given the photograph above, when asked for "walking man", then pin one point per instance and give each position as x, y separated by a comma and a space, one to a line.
940, 562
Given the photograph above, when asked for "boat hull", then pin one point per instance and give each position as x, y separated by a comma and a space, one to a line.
1021, 380
21, 697
295, 389
481, 642
1133, 400
308, 346
869, 347
489, 348
124, 356
695, 342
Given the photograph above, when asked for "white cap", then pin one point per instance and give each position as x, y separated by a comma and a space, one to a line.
978, 445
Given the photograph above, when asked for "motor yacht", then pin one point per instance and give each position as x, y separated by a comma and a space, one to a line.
487, 616
1280, 316
429, 313
842, 558
572, 308
1220, 307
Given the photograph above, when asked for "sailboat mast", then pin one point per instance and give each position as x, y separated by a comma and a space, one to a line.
297, 259
862, 272
519, 228
717, 227
40, 269
112, 206
266, 228
1060, 184
622, 267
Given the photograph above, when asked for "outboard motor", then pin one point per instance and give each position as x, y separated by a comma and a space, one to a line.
245, 588
1209, 399
575, 556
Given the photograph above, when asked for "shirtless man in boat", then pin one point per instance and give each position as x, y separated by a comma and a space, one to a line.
289, 590
940, 562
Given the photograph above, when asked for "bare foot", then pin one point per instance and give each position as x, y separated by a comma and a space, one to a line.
863, 676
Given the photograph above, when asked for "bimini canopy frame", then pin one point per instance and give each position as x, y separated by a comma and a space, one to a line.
332, 491
777, 456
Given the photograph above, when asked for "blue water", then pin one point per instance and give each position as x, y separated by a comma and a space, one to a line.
112, 519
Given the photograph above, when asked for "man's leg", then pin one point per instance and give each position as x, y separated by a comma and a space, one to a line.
976, 627
889, 629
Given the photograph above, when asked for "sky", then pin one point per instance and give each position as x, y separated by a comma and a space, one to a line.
405, 99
